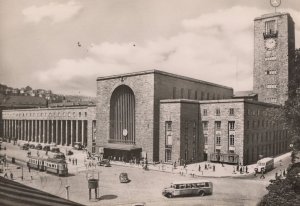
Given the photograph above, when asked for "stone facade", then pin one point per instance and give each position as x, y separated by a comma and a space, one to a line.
274, 54
63, 126
230, 131
149, 87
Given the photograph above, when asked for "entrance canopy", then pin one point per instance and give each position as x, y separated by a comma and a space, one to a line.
124, 147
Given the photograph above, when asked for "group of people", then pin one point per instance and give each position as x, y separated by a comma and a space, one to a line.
11, 175
241, 169
74, 161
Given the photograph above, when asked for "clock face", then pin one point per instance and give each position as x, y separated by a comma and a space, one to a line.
270, 44
275, 3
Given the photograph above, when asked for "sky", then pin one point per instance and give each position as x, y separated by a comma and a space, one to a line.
64, 45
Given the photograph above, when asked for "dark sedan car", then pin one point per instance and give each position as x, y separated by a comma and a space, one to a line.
39, 147
104, 162
124, 178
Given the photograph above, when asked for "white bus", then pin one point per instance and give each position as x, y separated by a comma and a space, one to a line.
188, 188
265, 164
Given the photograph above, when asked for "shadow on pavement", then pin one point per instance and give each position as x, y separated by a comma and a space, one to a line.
108, 197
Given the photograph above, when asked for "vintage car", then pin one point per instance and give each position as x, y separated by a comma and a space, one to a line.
124, 178
104, 162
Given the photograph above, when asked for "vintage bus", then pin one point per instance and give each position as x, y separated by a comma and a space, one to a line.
265, 164
188, 188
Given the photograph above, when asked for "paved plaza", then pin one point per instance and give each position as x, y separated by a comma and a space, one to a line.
230, 188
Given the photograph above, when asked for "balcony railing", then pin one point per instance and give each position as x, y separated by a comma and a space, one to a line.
268, 35
121, 141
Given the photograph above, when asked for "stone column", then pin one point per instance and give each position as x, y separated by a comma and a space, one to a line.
32, 128
61, 132
36, 131
66, 132
82, 132
56, 131
71, 132
52, 130
76, 134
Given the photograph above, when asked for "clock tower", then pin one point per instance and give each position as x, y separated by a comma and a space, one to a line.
274, 52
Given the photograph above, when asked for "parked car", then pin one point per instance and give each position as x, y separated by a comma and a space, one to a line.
46, 148
39, 147
32, 146
59, 155
124, 178
104, 162
25, 146
54, 149
78, 146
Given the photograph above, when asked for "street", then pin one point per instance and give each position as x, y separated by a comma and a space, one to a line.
145, 186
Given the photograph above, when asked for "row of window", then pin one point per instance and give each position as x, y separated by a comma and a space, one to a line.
256, 124
271, 72
218, 112
218, 140
194, 95
271, 86
269, 136
231, 125
48, 114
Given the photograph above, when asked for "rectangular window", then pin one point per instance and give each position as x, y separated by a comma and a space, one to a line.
205, 125
231, 140
174, 92
168, 155
169, 125
271, 86
189, 94
207, 96
218, 112
231, 111
196, 95
218, 140
271, 72
181, 93
218, 125
270, 27
205, 138
169, 140
231, 125
204, 112
202, 95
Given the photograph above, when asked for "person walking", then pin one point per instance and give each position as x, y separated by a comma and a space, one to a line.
284, 173
246, 169
5, 175
76, 161
73, 161
241, 170
199, 169
262, 174
214, 168
11, 176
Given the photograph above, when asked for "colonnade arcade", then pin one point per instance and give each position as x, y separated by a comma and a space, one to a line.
61, 132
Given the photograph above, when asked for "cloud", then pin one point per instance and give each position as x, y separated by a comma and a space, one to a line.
53, 11
215, 47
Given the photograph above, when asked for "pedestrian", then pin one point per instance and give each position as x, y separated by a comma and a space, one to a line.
284, 173
46, 152
70, 159
241, 170
205, 166
199, 169
246, 169
222, 164
214, 168
37, 153
5, 175
255, 172
175, 165
262, 174
28, 169
73, 161
76, 161
237, 168
11, 176
276, 175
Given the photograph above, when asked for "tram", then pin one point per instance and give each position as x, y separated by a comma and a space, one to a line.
51, 165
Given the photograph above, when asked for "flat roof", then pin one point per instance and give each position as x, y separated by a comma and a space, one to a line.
270, 15
48, 108
190, 101
154, 71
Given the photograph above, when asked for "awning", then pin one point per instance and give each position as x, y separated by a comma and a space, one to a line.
126, 147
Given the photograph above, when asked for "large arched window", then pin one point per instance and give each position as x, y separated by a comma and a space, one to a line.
122, 116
